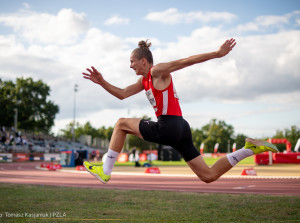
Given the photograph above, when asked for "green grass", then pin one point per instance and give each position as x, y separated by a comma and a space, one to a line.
99, 205
209, 160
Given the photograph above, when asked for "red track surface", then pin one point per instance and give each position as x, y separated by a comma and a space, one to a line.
26, 173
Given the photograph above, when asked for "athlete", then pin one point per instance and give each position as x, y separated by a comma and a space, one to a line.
170, 128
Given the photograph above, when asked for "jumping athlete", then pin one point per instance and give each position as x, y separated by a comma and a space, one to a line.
170, 128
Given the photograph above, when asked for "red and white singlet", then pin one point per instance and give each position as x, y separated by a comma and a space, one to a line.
164, 102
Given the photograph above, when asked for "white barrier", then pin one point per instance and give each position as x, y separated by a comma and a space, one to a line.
297, 147
52, 157
8, 157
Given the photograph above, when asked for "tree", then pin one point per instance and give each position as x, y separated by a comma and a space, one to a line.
7, 104
67, 132
109, 132
86, 129
35, 112
217, 132
240, 141
198, 137
292, 134
104, 133
280, 135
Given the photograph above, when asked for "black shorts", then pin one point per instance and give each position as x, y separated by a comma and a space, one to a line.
172, 131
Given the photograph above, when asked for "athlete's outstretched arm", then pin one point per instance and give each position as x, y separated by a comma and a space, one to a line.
167, 68
95, 76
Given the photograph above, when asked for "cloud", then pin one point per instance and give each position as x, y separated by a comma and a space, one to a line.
26, 5
60, 64
116, 20
272, 20
172, 16
259, 65
261, 23
63, 28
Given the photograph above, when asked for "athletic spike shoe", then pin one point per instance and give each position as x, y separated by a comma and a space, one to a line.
97, 171
258, 146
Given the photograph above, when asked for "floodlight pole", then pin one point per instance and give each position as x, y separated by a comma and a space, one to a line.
74, 112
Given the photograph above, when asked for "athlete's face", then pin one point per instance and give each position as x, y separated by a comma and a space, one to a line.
137, 65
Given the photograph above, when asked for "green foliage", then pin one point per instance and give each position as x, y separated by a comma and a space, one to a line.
35, 112
240, 140
67, 132
140, 143
104, 133
7, 102
217, 132
198, 137
86, 129
292, 135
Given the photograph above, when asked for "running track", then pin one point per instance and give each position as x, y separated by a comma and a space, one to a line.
26, 173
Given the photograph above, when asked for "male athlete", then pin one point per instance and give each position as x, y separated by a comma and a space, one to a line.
170, 128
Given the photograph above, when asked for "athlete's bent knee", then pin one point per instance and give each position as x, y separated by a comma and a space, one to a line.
120, 123
208, 179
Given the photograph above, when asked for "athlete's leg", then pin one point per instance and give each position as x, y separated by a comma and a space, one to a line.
206, 173
225, 163
124, 126
195, 160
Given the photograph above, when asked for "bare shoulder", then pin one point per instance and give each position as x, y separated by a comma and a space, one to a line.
165, 69
160, 78
160, 71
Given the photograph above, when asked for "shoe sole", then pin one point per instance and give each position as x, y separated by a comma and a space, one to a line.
95, 175
266, 144
270, 145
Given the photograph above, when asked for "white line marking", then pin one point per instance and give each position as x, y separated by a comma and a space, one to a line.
179, 175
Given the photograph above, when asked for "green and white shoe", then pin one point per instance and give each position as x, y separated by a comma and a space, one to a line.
258, 146
97, 171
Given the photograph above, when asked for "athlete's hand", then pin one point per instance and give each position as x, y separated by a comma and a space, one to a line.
226, 47
94, 75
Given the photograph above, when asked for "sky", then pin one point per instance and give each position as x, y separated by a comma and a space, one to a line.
255, 88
